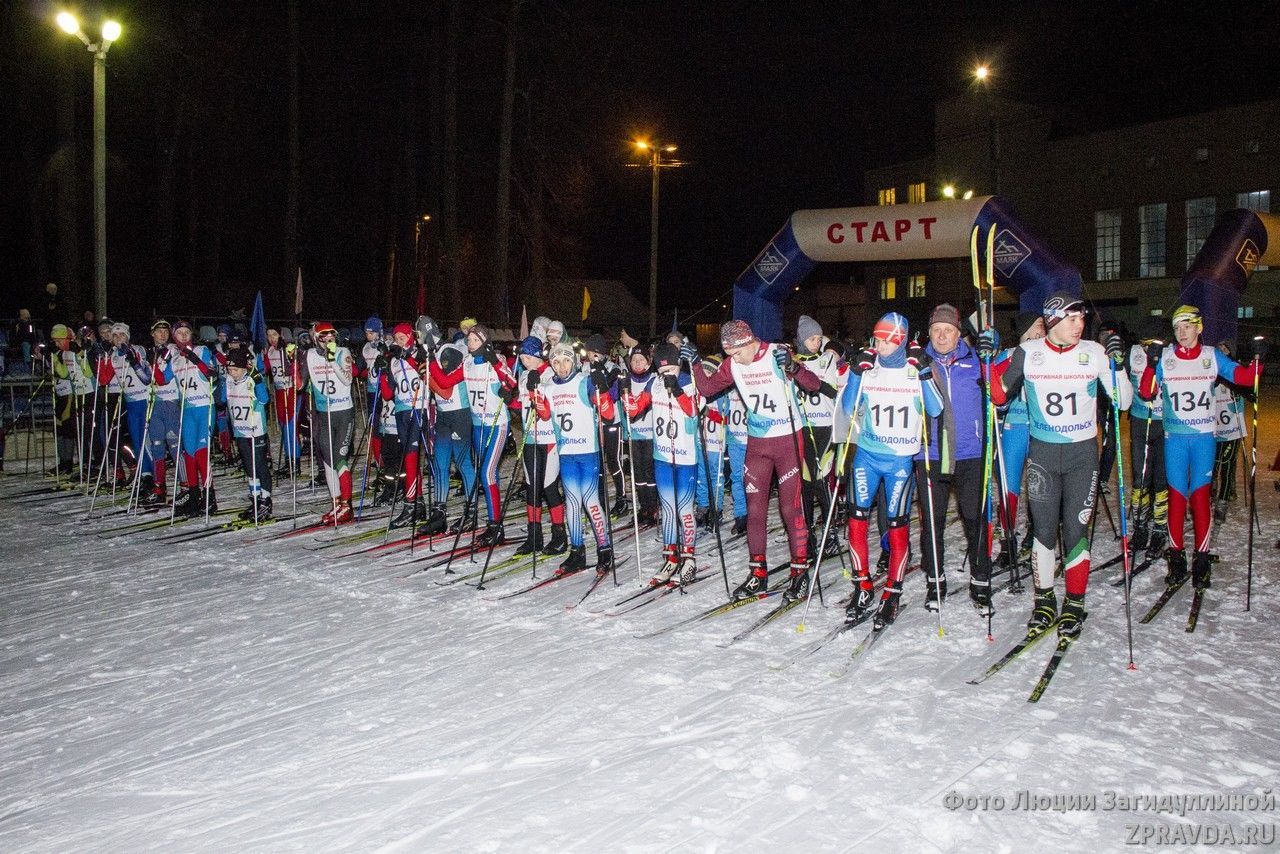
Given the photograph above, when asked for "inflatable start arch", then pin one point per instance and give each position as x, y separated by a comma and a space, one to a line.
895, 233
1220, 272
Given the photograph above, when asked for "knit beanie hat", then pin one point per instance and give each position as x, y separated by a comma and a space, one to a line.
736, 333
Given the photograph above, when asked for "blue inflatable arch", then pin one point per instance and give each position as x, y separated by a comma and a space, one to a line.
1217, 277
1023, 263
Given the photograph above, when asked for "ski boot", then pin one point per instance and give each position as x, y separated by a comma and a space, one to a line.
1072, 619
558, 542
264, 509
436, 522
1159, 540
700, 516
387, 495
711, 522
882, 563
1177, 561
1201, 567
339, 514
1044, 612
249, 513
1024, 550
575, 562
465, 522
1220, 510
798, 588
980, 596
155, 498
1141, 537
688, 571
888, 611
492, 535
183, 503
620, 508
604, 561
411, 512
935, 593
739, 526
284, 472
757, 582
520, 493
670, 566
532, 541
860, 604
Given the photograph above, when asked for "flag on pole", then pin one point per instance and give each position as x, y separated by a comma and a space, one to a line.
586, 301
258, 324
524, 322
297, 296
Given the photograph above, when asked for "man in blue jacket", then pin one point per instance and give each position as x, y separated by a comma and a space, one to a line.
955, 461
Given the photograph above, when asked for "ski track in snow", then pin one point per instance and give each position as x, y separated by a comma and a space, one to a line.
223, 695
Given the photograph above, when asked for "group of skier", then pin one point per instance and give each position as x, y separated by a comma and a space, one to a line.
660, 433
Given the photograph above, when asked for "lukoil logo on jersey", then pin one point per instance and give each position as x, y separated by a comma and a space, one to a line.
1248, 256
1083, 358
771, 264
1205, 363
1010, 252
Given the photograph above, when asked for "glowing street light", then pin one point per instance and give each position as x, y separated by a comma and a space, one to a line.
982, 72
982, 78
110, 30
949, 191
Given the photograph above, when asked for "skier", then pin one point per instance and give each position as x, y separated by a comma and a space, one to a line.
675, 430
281, 363
736, 449
956, 457
573, 401
404, 387
541, 459
452, 439
191, 366
328, 370
815, 351
764, 375
1150, 490
71, 384
369, 352
1061, 374
710, 449
892, 387
246, 411
163, 438
598, 360
127, 365
1183, 374
635, 391
490, 384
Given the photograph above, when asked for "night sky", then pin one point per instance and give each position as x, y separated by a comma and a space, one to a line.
776, 106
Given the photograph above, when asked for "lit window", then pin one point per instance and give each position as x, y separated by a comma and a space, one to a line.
915, 193
1151, 240
1201, 214
1244, 312
888, 196
889, 288
1106, 225
915, 286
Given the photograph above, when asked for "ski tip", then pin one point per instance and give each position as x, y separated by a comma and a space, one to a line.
800, 627
1132, 666
941, 633
991, 638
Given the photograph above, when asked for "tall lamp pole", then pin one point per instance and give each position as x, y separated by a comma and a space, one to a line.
421, 293
656, 163
110, 32
982, 74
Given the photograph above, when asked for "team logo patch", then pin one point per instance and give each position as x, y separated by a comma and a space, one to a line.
1083, 358
1037, 358
1010, 252
912, 373
1170, 363
1084, 516
1247, 257
1204, 363
771, 264
751, 489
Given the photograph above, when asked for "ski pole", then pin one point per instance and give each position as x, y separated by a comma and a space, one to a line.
713, 505
816, 579
933, 521
511, 487
631, 466
1259, 343
603, 487
1124, 520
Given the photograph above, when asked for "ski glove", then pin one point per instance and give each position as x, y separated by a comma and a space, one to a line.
919, 359
331, 351
532, 378
1115, 348
988, 343
866, 361
689, 353
782, 355
672, 383
491, 356
600, 380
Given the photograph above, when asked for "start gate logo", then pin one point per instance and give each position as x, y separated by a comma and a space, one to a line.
771, 264
1247, 257
1010, 252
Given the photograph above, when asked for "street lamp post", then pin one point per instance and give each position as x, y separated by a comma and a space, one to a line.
417, 263
982, 75
110, 32
656, 163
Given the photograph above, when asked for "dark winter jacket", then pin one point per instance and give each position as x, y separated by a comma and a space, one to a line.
958, 376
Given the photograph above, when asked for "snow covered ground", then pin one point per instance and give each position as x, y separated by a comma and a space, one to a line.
239, 694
